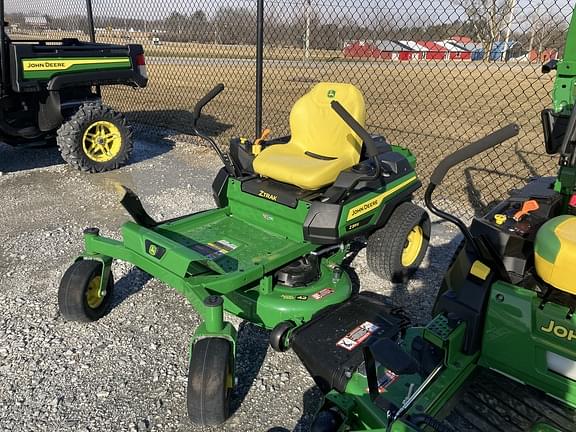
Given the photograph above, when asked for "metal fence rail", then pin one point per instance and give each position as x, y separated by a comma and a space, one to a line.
435, 73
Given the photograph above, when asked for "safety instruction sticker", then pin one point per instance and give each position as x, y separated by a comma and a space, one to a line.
357, 336
322, 293
385, 380
215, 249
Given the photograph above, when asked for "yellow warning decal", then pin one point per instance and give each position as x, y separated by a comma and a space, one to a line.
62, 64
480, 270
371, 204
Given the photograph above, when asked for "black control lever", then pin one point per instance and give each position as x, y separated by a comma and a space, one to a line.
204, 101
371, 148
472, 150
226, 161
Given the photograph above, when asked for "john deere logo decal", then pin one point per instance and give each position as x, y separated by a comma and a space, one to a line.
373, 203
559, 331
154, 250
331, 93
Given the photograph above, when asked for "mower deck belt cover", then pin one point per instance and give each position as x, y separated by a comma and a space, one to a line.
330, 345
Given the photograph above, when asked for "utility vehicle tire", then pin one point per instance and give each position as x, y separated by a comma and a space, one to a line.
210, 381
396, 250
95, 139
79, 296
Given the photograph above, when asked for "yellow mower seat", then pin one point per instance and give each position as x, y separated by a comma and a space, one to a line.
321, 144
555, 253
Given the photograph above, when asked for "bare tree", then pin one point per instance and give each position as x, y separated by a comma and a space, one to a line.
546, 29
488, 19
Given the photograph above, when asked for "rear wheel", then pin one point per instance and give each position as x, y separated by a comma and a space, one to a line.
396, 250
210, 381
80, 297
95, 139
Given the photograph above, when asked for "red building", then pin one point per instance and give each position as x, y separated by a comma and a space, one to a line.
361, 49
434, 51
384, 50
456, 51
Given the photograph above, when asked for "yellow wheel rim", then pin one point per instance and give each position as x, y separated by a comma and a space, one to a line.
94, 296
102, 141
413, 246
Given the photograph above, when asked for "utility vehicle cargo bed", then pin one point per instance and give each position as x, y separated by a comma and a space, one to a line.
493, 402
52, 65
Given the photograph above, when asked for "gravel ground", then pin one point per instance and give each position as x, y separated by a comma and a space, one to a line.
127, 372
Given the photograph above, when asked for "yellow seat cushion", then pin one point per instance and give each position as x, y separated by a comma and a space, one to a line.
555, 253
321, 145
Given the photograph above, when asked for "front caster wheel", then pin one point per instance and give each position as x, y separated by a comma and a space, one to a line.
279, 336
326, 421
80, 297
210, 381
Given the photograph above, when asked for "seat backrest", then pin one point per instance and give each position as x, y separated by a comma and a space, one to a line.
316, 128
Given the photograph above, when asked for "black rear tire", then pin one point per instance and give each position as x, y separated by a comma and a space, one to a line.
77, 298
71, 139
385, 251
210, 381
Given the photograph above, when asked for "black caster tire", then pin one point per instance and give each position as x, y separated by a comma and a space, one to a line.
79, 296
96, 139
279, 336
326, 421
210, 382
395, 251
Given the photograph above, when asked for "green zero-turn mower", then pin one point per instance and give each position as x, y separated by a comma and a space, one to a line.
51, 88
500, 351
288, 211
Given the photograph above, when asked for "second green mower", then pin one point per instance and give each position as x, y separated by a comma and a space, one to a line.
271, 252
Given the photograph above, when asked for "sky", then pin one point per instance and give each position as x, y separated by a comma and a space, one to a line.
435, 11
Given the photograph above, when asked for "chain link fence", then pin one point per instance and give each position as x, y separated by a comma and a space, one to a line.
435, 74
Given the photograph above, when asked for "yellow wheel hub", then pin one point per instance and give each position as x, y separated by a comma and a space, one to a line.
413, 246
102, 141
94, 297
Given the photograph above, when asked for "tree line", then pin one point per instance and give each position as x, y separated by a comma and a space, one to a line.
484, 21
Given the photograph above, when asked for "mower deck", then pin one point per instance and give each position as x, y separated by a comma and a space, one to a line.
214, 252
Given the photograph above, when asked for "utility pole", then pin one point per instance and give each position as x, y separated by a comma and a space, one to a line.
509, 29
307, 35
259, 64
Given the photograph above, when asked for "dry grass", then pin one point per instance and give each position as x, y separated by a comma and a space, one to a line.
186, 49
431, 108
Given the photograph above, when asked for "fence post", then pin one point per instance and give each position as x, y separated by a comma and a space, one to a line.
3, 57
259, 64
90, 17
